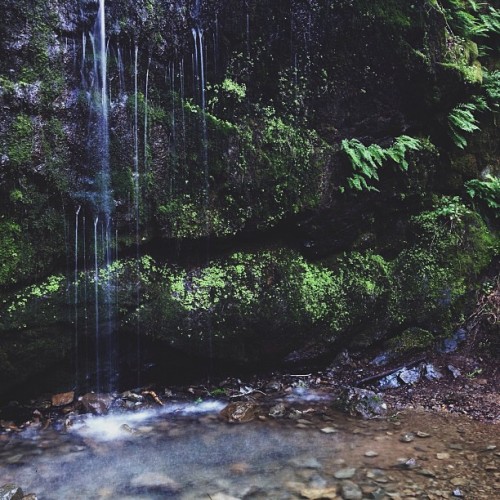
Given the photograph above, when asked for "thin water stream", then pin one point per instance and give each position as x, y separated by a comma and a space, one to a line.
186, 451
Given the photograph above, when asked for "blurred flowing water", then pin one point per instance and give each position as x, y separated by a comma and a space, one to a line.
185, 451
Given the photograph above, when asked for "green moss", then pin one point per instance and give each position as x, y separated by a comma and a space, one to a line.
412, 339
20, 141
431, 277
11, 252
391, 12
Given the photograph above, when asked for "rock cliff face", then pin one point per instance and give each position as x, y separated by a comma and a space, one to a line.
304, 162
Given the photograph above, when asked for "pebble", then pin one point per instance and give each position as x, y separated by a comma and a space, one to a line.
329, 430
459, 481
426, 473
222, 496
371, 454
407, 437
442, 456
346, 473
421, 434
155, 480
319, 493
307, 463
351, 491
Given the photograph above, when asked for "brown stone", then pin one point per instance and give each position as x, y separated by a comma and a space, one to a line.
63, 399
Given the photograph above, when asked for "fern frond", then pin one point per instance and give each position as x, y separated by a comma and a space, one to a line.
366, 160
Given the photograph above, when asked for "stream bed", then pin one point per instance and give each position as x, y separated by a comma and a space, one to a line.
186, 451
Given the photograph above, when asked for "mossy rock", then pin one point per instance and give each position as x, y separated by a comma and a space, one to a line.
412, 339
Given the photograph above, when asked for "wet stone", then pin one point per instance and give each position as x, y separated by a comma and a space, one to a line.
277, 411
97, 404
421, 434
427, 473
306, 463
367, 404
222, 496
155, 481
351, 491
329, 430
63, 399
11, 492
319, 493
407, 437
459, 481
239, 412
346, 473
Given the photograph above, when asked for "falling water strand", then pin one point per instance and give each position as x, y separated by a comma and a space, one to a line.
136, 208
182, 109
146, 156
199, 49
204, 123
248, 34
136, 150
175, 159
121, 72
85, 296
77, 370
196, 73
82, 68
216, 45
96, 299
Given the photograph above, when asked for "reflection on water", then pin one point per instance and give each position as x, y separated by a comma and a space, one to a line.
186, 452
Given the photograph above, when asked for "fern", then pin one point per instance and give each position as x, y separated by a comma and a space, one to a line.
487, 191
462, 120
491, 85
491, 20
366, 160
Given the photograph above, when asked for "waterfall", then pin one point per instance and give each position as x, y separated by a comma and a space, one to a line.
136, 149
199, 71
96, 310
121, 72
77, 365
136, 205
146, 117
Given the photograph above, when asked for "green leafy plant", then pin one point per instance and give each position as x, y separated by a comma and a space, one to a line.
487, 190
366, 160
462, 121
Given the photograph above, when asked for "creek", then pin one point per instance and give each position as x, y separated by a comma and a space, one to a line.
186, 451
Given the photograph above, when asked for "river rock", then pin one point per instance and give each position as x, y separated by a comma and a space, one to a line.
319, 493
346, 473
11, 492
351, 491
277, 411
239, 412
306, 463
432, 373
155, 481
389, 382
63, 399
97, 404
410, 376
454, 371
407, 437
223, 496
367, 404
